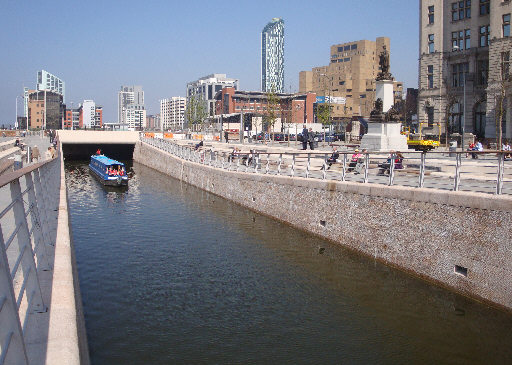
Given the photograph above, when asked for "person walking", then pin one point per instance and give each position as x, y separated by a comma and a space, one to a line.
305, 138
226, 136
311, 139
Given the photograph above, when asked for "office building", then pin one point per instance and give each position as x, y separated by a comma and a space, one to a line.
88, 115
131, 109
349, 79
172, 113
206, 88
291, 108
272, 56
464, 67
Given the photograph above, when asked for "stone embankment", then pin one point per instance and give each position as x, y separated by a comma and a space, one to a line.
459, 240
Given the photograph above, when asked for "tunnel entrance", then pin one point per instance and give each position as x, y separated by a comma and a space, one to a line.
84, 151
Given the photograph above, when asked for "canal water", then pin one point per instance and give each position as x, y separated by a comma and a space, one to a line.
170, 274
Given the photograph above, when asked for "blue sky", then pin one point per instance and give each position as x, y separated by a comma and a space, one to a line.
97, 46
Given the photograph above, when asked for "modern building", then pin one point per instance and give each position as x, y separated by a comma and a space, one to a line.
272, 56
292, 108
349, 79
47, 81
206, 88
131, 109
45, 110
464, 67
172, 113
88, 115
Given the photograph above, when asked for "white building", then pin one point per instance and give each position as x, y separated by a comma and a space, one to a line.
172, 113
272, 56
89, 113
47, 81
131, 107
206, 87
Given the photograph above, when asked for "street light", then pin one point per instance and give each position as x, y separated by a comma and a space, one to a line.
457, 48
16, 126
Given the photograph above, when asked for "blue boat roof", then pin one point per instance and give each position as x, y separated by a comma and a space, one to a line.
106, 160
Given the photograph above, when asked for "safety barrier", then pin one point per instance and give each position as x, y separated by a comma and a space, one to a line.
420, 169
26, 249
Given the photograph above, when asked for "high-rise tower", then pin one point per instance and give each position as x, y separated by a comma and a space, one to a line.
272, 56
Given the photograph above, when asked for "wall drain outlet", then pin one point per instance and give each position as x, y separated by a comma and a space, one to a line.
322, 223
460, 270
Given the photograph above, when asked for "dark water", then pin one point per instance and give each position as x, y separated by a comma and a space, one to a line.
173, 275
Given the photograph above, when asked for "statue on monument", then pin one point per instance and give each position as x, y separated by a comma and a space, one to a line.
384, 73
376, 114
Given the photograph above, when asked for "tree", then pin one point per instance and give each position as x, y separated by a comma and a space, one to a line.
272, 110
197, 111
323, 115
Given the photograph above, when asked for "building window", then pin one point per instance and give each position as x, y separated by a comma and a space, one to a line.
430, 116
354, 46
430, 76
505, 65
431, 14
346, 48
461, 10
458, 72
482, 72
430, 43
484, 35
506, 25
485, 7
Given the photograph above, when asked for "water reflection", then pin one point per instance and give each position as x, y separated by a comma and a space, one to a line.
172, 274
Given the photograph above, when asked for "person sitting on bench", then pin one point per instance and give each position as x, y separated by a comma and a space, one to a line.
353, 161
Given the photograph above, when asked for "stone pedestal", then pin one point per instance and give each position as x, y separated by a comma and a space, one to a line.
384, 136
384, 92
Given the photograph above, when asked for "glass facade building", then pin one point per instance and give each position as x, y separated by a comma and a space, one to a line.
272, 56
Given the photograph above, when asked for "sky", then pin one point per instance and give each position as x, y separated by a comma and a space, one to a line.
96, 46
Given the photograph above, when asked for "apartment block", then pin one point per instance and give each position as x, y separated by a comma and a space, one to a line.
131, 109
47, 81
172, 113
349, 78
45, 110
272, 56
464, 68
207, 87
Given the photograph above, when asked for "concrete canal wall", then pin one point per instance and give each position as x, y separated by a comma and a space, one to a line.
456, 239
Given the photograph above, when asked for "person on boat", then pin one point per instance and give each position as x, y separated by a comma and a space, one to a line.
98, 152
120, 172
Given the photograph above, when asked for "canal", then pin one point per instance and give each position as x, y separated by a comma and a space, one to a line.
170, 274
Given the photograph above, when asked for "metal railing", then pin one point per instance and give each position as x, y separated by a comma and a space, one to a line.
458, 172
26, 249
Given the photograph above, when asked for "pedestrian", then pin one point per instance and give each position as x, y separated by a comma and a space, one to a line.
506, 147
35, 154
226, 136
305, 138
48, 154
311, 139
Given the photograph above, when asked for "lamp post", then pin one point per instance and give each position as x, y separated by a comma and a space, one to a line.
463, 121
16, 126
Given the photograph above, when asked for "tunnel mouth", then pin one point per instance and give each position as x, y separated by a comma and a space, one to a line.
116, 151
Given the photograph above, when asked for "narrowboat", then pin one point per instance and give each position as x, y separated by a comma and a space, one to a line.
107, 171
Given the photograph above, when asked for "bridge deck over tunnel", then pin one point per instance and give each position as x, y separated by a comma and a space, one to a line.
79, 145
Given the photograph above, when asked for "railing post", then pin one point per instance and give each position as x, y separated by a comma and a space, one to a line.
344, 167
324, 167
14, 342
267, 168
256, 162
366, 164
499, 179
391, 169
39, 241
456, 178
279, 164
293, 165
237, 163
308, 166
27, 263
422, 169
